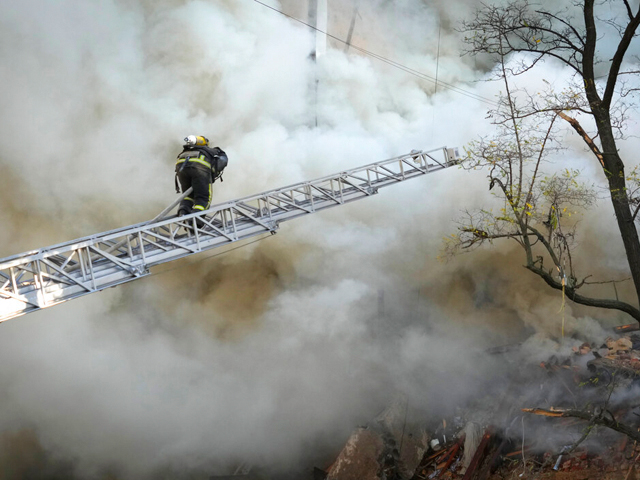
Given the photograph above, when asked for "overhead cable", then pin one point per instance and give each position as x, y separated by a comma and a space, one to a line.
388, 61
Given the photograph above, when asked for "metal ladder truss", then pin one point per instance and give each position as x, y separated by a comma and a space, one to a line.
42, 278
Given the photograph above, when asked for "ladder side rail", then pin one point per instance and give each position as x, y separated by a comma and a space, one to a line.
134, 229
112, 234
56, 294
102, 262
278, 200
88, 239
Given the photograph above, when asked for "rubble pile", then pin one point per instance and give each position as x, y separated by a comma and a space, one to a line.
571, 417
387, 448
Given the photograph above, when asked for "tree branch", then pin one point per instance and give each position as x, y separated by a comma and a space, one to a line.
616, 61
570, 291
544, 144
591, 36
515, 132
629, 12
583, 300
594, 418
577, 34
635, 213
587, 139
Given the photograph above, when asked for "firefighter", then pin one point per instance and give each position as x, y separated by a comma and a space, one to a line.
198, 166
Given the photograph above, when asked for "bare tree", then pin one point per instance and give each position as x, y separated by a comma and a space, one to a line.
595, 109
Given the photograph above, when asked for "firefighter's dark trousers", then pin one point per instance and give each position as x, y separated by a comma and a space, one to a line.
200, 180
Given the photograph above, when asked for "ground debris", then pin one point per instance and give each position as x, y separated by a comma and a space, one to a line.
359, 460
579, 421
388, 448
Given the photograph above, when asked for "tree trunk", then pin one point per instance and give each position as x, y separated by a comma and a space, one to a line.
614, 171
624, 217
612, 163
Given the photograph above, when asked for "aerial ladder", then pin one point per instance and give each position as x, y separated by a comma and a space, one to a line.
52, 275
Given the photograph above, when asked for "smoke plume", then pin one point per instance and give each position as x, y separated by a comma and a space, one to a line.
269, 352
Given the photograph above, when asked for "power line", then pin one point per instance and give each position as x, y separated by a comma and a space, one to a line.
388, 61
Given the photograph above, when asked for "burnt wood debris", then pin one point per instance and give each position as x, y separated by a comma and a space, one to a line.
572, 417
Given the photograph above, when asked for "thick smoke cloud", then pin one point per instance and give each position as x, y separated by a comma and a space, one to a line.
265, 353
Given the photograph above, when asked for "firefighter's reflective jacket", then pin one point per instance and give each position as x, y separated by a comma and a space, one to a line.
213, 160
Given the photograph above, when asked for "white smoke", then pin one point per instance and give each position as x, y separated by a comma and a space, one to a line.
258, 354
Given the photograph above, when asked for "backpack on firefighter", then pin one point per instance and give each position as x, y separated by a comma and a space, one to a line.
220, 161
197, 153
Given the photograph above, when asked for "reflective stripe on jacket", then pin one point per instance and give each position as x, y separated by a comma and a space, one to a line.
205, 158
201, 159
